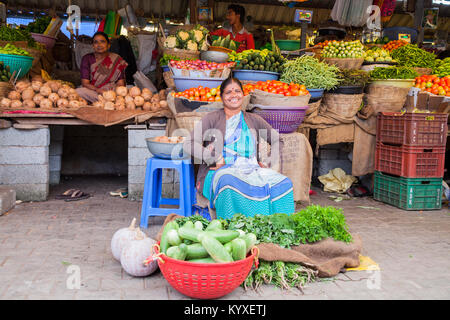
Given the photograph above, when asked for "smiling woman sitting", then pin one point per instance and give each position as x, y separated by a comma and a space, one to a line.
230, 176
101, 70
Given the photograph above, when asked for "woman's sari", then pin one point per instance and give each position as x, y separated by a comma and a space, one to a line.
105, 73
242, 186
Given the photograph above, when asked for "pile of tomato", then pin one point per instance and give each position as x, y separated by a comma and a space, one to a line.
200, 94
278, 87
323, 44
395, 44
434, 84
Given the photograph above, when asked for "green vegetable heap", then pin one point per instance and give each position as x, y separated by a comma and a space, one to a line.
39, 25
13, 34
442, 67
381, 73
343, 49
204, 242
12, 49
310, 72
412, 56
262, 60
353, 78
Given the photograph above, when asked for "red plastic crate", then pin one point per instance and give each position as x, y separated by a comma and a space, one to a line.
413, 129
410, 161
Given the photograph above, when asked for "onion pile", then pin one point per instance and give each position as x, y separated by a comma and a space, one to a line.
40, 94
134, 98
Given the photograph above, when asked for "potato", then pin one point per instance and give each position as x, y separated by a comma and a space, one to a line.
121, 91
36, 85
73, 96
139, 101
45, 90
54, 85
5, 102
14, 95
46, 104
15, 104
63, 92
29, 104
130, 105
163, 104
53, 97
155, 107
22, 85
28, 94
109, 95
37, 98
74, 104
62, 103
109, 105
135, 91
147, 106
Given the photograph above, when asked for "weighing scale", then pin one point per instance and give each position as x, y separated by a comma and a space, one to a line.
304, 17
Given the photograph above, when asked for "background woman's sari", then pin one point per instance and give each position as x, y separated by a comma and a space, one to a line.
105, 73
242, 186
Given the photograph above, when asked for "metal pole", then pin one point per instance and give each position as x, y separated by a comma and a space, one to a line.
304, 27
418, 18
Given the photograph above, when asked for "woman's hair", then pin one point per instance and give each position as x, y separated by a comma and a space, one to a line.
228, 81
100, 33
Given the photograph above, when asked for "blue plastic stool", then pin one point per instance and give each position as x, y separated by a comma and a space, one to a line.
152, 198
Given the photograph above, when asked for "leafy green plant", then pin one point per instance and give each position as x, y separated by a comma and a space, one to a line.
315, 223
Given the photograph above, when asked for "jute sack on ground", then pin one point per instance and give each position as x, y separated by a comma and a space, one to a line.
295, 162
327, 256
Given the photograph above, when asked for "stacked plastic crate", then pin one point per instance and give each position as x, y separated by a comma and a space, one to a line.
410, 159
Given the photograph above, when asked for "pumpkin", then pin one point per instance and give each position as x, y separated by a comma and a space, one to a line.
122, 237
135, 253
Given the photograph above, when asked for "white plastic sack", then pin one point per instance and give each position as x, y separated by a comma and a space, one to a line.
143, 82
81, 49
147, 43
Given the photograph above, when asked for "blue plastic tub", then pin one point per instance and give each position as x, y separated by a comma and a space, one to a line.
255, 75
316, 93
182, 83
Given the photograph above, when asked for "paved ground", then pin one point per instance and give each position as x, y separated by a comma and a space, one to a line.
43, 245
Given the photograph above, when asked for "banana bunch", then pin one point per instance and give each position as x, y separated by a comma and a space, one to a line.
5, 73
12, 49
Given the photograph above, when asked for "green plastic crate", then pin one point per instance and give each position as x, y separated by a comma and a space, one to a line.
408, 193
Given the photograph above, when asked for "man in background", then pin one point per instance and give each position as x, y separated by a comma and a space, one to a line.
237, 32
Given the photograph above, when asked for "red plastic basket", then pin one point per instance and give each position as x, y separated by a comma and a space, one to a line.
410, 161
414, 129
205, 280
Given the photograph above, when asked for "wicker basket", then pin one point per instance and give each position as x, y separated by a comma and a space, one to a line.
187, 120
343, 105
389, 92
168, 79
5, 88
345, 63
424, 71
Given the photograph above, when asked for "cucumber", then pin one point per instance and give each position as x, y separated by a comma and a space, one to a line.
214, 225
250, 241
196, 251
189, 224
173, 238
198, 225
215, 249
203, 260
177, 252
223, 236
189, 233
239, 249
229, 247
164, 243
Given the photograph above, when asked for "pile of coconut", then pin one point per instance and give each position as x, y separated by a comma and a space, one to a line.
44, 95
134, 98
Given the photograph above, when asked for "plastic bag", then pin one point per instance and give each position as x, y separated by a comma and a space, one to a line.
143, 82
336, 181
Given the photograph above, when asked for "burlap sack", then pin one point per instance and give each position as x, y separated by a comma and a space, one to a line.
328, 256
295, 162
259, 97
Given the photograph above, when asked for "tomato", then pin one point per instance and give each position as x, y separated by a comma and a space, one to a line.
429, 84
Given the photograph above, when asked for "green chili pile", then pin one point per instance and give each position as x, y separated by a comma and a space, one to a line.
381, 73
412, 56
311, 73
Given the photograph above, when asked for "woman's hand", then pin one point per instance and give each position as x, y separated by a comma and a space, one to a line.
219, 164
